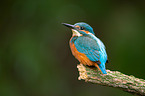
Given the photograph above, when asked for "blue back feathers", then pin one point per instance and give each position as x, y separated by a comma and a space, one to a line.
93, 50
89, 47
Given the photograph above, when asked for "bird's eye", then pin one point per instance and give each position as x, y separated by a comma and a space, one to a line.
81, 28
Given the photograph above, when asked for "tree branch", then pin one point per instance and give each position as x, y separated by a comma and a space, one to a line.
116, 79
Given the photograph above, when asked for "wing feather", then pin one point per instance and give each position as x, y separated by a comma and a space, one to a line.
89, 47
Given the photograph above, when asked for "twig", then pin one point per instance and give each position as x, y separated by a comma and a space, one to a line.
116, 79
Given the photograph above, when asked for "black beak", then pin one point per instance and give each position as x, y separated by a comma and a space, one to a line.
69, 25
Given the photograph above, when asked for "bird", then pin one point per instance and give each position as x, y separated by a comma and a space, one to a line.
86, 47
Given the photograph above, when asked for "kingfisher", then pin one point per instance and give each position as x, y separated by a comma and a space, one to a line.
86, 47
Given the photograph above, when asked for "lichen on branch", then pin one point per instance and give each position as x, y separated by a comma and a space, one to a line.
116, 79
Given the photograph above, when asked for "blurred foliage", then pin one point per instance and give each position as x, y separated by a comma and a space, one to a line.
35, 59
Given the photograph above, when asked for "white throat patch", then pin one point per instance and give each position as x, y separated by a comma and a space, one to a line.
76, 33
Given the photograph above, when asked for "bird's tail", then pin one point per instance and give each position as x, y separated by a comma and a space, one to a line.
101, 67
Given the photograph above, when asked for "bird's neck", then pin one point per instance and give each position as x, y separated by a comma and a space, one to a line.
73, 38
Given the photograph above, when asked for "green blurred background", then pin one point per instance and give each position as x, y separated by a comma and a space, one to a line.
35, 58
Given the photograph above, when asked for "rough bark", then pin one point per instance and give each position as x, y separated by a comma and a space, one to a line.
116, 79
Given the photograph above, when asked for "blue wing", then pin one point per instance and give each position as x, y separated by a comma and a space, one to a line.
94, 49
89, 47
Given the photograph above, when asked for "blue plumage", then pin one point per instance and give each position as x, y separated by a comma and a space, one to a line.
94, 49
87, 43
88, 46
86, 26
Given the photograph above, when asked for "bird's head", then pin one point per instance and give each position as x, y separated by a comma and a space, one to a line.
80, 29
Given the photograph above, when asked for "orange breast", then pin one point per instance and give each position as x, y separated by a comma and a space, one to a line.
82, 58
